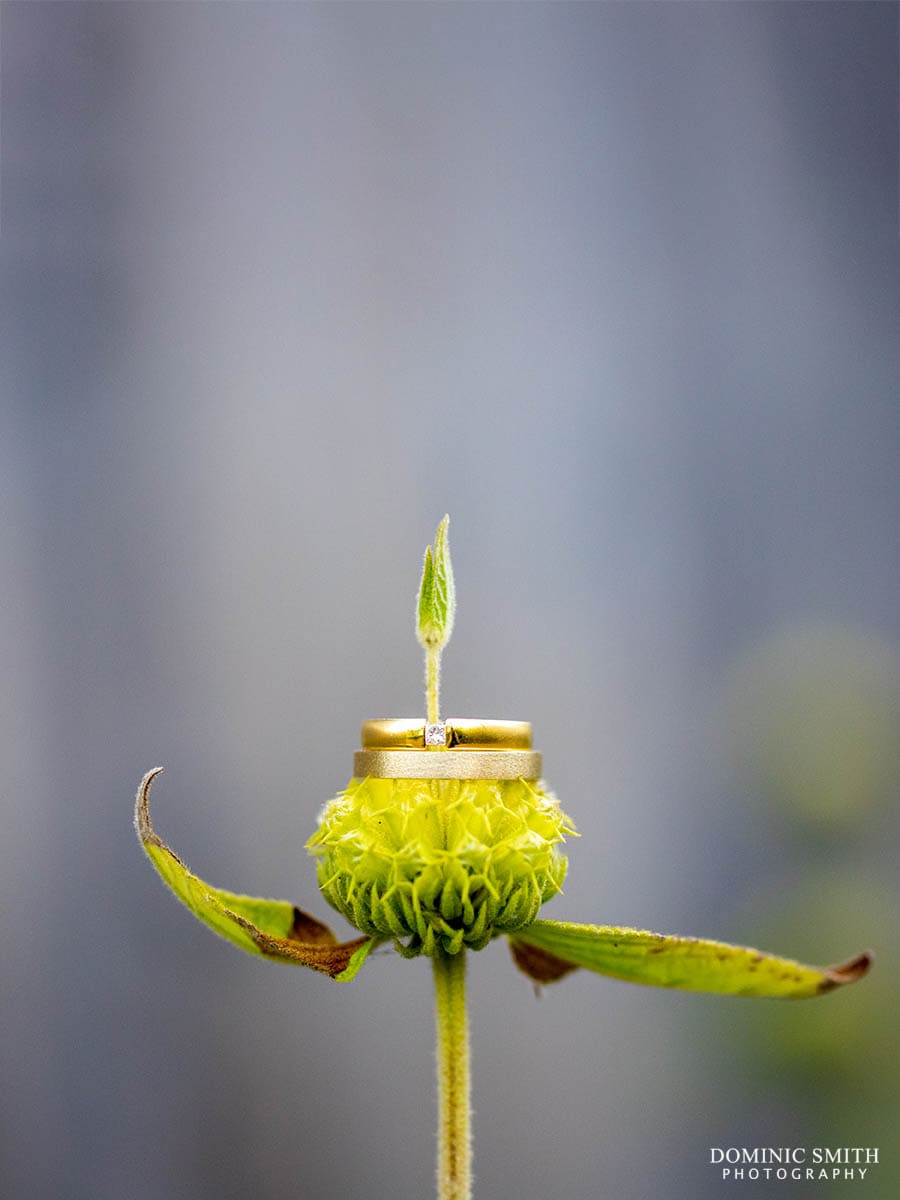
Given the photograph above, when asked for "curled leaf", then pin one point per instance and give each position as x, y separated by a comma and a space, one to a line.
275, 929
547, 949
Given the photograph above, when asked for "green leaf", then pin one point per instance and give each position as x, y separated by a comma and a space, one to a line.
275, 929
437, 595
547, 949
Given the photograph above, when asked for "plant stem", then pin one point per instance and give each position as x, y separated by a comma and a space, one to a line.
454, 1170
432, 683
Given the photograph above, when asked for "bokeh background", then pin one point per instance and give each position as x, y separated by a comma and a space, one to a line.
617, 285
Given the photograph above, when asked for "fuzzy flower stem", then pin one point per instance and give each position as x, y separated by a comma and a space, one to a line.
454, 1115
433, 684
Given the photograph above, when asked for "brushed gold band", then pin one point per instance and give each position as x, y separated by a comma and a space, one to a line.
408, 733
447, 764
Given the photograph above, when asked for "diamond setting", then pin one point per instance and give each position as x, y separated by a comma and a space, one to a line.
436, 735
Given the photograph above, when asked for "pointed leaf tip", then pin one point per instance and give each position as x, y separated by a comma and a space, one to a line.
142, 826
848, 972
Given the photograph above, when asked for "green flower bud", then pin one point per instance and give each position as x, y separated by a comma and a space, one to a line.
440, 864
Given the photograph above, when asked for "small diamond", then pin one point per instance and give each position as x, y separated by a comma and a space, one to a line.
436, 735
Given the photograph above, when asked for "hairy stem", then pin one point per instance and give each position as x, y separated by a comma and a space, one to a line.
454, 1170
432, 684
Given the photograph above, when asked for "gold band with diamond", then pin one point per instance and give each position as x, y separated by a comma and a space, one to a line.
469, 733
458, 748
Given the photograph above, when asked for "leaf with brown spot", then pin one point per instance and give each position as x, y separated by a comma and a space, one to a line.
275, 929
537, 964
693, 964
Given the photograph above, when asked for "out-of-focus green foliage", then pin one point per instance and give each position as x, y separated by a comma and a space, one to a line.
815, 718
816, 723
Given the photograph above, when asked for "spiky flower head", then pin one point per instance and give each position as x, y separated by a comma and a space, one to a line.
440, 864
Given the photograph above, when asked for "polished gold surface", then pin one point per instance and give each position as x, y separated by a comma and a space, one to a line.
469, 733
447, 764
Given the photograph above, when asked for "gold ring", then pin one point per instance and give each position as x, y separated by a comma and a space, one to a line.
409, 733
452, 764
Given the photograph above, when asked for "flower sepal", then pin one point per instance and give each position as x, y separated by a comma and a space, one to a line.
548, 950
275, 929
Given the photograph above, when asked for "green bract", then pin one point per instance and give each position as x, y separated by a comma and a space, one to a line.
440, 864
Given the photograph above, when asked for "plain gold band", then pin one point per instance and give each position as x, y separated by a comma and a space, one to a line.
447, 764
408, 733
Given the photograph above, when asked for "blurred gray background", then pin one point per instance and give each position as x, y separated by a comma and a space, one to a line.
616, 285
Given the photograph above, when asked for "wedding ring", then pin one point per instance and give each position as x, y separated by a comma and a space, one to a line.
408, 733
457, 748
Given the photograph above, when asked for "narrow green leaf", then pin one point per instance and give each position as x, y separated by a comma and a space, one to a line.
357, 959
275, 929
425, 610
696, 965
436, 607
